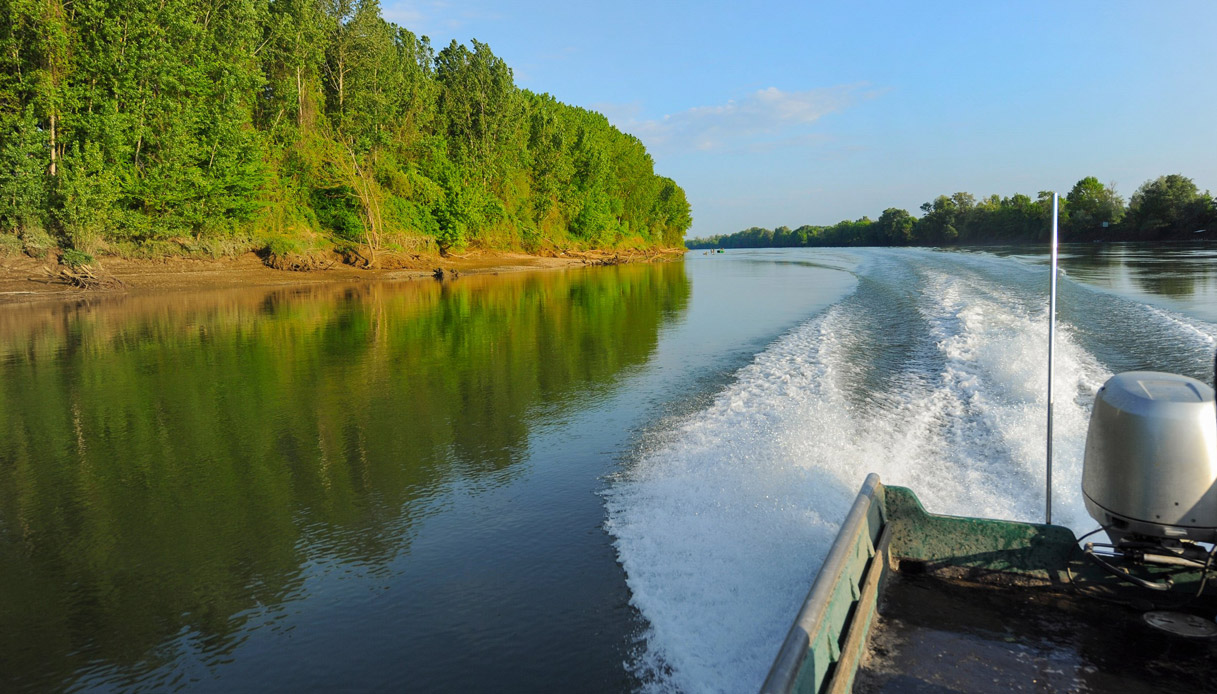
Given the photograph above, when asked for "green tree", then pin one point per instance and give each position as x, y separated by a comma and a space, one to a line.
475, 99
23, 173
1167, 206
673, 214
1091, 205
293, 64
938, 224
895, 226
89, 190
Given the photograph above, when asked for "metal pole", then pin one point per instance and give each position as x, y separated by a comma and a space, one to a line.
1051, 344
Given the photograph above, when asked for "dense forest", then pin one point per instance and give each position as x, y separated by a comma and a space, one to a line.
181, 127
1166, 208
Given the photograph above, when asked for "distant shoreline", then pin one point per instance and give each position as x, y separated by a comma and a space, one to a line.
1201, 240
25, 280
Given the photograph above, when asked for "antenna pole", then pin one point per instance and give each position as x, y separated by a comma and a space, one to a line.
1051, 344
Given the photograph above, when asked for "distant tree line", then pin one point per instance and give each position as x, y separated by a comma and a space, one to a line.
168, 126
1168, 207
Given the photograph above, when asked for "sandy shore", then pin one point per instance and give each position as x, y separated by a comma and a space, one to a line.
24, 279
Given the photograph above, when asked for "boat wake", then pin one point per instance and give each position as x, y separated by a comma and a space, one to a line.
931, 373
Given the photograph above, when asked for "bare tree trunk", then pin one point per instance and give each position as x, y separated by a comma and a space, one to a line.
53, 152
369, 203
139, 142
299, 97
342, 72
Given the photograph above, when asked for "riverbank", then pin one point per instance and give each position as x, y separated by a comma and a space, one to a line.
24, 279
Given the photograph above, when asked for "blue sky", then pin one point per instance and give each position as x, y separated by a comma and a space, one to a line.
790, 113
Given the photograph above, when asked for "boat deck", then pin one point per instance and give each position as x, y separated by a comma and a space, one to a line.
934, 635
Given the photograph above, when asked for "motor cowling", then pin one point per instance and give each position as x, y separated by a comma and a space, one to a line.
1150, 467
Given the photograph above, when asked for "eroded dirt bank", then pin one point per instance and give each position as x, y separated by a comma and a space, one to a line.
24, 279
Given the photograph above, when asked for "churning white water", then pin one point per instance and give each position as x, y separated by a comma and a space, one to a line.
932, 373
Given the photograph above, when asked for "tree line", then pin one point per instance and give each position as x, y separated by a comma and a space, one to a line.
1166, 208
183, 126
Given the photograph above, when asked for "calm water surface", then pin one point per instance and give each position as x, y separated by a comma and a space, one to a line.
375, 487
1181, 276
520, 483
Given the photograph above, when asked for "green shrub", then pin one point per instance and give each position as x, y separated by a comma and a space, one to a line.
74, 258
36, 242
10, 244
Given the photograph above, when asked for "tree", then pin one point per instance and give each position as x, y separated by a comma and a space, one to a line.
1091, 204
475, 99
1166, 206
673, 213
938, 224
547, 143
1015, 220
89, 190
23, 173
895, 227
293, 63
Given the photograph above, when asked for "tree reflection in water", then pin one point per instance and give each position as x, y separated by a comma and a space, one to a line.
168, 464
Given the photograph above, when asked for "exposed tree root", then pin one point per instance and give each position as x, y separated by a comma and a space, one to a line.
84, 276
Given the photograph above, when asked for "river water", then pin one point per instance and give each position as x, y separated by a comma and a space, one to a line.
608, 479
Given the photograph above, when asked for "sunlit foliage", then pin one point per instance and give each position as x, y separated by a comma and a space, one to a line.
178, 125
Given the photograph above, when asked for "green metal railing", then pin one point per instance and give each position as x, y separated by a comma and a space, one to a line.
887, 527
829, 633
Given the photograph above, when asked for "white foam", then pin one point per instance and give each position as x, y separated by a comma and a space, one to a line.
705, 523
722, 523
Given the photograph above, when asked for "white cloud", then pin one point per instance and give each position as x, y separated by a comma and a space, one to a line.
764, 120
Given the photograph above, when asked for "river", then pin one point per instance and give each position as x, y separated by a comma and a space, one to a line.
607, 479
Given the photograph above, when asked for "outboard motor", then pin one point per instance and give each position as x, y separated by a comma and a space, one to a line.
1150, 471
